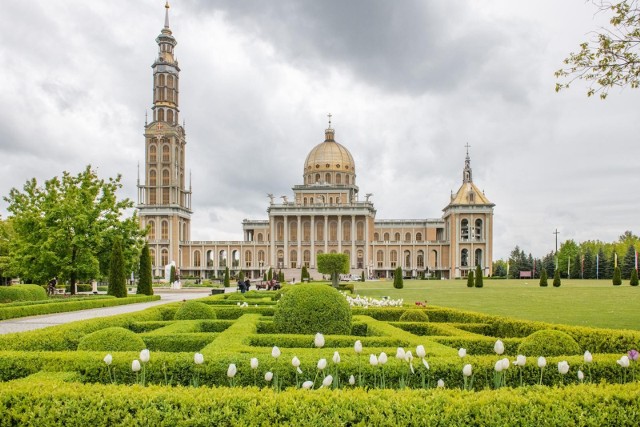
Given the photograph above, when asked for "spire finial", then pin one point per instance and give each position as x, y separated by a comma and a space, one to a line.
467, 146
466, 173
166, 14
329, 115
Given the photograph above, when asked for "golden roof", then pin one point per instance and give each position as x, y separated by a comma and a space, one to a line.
329, 156
469, 194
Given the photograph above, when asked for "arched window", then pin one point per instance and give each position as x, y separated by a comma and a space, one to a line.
293, 258
380, 259
153, 154
433, 263
165, 257
360, 259
407, 259
419, 237
478, 257
261, 258
333, 231
464, 229
320, 231
152, 230
235, 258
165, 230
170, 81
247, 259
152, 196
360, 230
152, 255
170, 115
161, 115
161, 80
386, 237
394, 259
327, 178
152, 178
165, 196
165, 153
306, 230
196, 259
346, 230
259, 237
307, 258
165, 177
376, 237
346, 179
338, 179
293, 230
280, 258
317, 177
464, 258
407, 237
222, 258
279, 230
478, 230
420, 260
209, 258
397, 237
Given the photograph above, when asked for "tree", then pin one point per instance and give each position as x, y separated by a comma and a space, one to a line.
270, 274
611, 58
117, 275
556, 279
172, 274
479, 281
333, 264
145, 279
281, 276
398, 283
601, 264
362, 279
499, 268
543, 278
617, 280
628, 263
6, 234
227, 282
470, 282
241, 276
304, 274
634, 278
264, 277
68, 228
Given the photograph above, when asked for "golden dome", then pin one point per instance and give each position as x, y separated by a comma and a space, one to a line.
329, 156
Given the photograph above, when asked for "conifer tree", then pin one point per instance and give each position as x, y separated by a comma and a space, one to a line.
634, 278
117, 277
617, 280
172, 275
227, 282
543, 278
479, 281
362, 276
264, 277
304, 274
270, 274
470, 282
145, 279
241, 276
628, 263
280, 276
397, 279
556, 279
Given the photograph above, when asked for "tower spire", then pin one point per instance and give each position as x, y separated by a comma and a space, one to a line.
329, 132
166, 14
466, 173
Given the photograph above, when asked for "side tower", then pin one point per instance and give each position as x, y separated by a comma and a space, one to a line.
469, 219
164, 202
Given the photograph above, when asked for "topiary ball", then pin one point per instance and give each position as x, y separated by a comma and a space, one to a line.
414, 316
235, 297
308, 309
547, 343
111, 339
193, 310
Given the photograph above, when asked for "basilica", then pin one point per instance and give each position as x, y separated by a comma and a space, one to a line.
326, 213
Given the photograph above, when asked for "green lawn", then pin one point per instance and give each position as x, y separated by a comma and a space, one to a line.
577, 302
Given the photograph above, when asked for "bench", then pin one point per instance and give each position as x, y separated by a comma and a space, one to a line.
216, 291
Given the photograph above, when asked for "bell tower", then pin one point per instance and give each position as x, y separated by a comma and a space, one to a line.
164, 202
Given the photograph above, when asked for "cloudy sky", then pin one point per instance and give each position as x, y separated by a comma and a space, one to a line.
409, 83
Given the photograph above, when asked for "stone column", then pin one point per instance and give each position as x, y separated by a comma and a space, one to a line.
340, 234
286, 242
354, 257
326, 234
272, 241
366, 243
312, 260
300, 258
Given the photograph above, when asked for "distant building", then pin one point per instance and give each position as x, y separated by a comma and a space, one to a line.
325, 215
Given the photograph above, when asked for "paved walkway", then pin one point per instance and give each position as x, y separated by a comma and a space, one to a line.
22, 324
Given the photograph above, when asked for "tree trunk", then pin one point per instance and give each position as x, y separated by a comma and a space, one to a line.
335, 277
72, 286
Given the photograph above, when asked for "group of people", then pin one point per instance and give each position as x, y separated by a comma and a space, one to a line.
244, 285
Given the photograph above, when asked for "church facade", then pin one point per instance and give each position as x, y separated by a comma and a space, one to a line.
326, 213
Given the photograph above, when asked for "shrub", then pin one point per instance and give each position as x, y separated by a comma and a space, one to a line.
346, 287
556, 279
634, 278
277, 296
111, 339
235, 297
192, 310
470, 280
307, 309
145, 281
543, 278
117, 276
397, 279
617, 280
549, 342
22, 293
227, 282
304, 274
414, 315
479, 281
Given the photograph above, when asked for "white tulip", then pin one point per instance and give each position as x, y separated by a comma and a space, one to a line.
295, 361
408, 357
498, 347
542, 362
400, 353
268, 376
440, 383
462, 352
352, 380
307, 385
275, 352
623, 361
357, 347
144, 356
336, 357
373, 360
319, 340
563, 367
588, 358
328, 380
498, 366
198, 359
467, 370
322, 363
425, 363
108, 359
254, 363
232, 370
520, 360
580, 376
505, 364
420, 351
135, 365
382, 359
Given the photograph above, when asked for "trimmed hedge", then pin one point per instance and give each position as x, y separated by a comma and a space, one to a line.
178, 342
22, 293
549, 343
414, 315
110, 340
192, 310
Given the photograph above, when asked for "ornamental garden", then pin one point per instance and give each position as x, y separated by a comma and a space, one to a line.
311, 355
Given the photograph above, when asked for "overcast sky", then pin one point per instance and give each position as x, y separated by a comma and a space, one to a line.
409, 83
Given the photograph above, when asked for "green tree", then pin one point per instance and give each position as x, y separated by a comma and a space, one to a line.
334, 265
270, 274
617, 280
6, 234
145, 279
611, 58
601, 264
499, 268
264, 277
543, 278
304, 274
281, 276
549, 264
587, 268
398, 283
227, 281
567, 255
362, 279
556, 279
479, 281
67, 228
172, 274
117, 276
634, 278
470, 281
241, 276
628, 263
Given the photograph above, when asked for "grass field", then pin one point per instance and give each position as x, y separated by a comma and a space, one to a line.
577, 302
